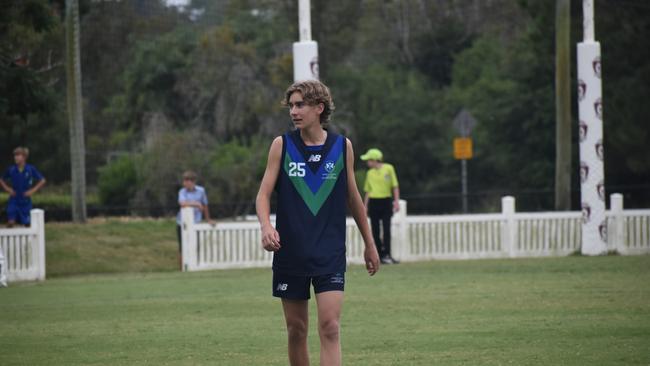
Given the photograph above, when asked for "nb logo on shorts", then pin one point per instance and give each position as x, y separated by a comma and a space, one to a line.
282, 287
337, 278
314, 158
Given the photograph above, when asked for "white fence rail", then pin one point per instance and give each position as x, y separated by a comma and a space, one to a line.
22, 250
416, 238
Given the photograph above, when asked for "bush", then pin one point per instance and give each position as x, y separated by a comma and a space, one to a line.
117, 182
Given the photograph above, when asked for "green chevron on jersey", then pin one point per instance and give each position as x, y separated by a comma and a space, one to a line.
314, 201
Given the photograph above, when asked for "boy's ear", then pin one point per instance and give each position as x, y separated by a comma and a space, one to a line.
321, 108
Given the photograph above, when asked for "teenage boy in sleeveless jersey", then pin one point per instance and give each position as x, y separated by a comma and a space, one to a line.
312, 171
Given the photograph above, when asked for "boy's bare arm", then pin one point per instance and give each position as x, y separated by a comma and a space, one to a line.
270, 237
35, 188
358, 210
6, 187
206, 212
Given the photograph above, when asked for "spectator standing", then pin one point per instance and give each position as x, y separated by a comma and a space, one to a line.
381, 200
21, 181
191, 195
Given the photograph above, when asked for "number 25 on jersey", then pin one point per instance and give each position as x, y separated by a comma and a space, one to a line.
296, 169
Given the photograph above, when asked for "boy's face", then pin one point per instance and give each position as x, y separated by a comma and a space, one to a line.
19, 159
302, 114
189, 184
371, 163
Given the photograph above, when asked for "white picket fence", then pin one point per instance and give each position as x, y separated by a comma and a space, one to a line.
22, 250
415, 238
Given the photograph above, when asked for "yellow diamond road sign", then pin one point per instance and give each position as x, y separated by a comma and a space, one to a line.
462, 148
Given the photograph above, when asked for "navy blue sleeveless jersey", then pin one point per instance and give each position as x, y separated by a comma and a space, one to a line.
312, 198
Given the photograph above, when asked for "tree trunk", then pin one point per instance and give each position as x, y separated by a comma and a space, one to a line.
75, 114
562, 105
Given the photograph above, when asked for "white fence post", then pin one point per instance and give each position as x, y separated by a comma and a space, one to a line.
402, 247
616, 209
510, 226
188, 238
3, 269
38, 243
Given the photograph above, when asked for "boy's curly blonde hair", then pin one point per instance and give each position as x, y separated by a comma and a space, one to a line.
313, 92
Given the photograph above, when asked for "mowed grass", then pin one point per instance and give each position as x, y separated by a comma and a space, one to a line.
113, 245
557, 311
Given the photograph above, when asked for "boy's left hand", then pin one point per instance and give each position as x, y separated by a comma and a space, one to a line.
372, 259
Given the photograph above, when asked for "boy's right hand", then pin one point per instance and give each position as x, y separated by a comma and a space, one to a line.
270, 239
12, 193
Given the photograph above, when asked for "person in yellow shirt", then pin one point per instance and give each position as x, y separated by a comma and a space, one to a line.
381, 200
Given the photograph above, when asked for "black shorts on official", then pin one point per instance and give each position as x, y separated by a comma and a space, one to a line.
297, 287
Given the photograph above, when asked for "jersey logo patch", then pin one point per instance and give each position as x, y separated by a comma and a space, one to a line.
314, 158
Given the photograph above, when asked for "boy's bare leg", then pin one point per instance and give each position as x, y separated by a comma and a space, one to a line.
329, 314
296, 315
11, 223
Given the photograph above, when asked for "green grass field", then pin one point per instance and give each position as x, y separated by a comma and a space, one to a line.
559, 311
113, 245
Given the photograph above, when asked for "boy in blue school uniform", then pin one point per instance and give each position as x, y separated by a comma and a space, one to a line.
21, 181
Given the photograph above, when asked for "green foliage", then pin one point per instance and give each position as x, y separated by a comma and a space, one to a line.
31, 104
180, 88
483, 83
117, 181
390, 110
162, 165
236, 170
48, 200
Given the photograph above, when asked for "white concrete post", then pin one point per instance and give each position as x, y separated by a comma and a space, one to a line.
305, 52
590, 131
401, 246
588, 20
188, 239
509, 234
618, 236
38, 245
304, 19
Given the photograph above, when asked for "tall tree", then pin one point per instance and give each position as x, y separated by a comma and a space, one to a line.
75, 113
562, 105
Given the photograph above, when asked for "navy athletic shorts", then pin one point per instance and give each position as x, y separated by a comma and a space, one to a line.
297, 287
19, 212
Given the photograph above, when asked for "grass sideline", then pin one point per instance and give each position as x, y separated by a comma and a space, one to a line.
111, 245
554, 311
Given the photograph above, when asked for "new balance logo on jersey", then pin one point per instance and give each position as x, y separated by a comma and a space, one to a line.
282, 287
314, 158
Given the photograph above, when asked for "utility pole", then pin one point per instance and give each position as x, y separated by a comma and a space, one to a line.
562, 105
305, 52
592, 172
75, 113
